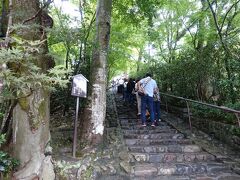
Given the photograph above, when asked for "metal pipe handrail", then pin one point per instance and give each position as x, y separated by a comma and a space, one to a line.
198, 102
236, 112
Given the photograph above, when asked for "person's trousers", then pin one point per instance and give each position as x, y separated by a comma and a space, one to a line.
138, 103
156, 109
147, 102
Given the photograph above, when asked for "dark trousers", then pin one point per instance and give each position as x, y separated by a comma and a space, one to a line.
156, 109
147, 101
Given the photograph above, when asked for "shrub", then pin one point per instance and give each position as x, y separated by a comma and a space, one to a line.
7, 163
216, 114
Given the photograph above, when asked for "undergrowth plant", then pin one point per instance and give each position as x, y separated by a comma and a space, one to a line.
217, 114
24, 73
7, 163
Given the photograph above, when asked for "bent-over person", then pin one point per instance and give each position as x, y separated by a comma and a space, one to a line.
149, 85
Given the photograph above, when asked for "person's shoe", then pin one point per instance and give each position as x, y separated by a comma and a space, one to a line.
159, 120
153, 125
144, 125
138, 114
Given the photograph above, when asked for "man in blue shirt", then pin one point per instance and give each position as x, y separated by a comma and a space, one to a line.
149, 85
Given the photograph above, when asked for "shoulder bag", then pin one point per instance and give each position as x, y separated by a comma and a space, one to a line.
141, 91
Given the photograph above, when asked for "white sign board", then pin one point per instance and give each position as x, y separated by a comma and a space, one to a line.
79, 86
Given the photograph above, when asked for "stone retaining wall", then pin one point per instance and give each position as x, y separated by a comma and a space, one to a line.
228, 134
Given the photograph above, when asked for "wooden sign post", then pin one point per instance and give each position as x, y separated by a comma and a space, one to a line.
79, 89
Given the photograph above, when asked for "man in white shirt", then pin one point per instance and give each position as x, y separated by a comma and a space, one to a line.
149, 85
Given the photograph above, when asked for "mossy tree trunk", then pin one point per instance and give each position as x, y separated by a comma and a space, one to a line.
4, 18
95, 115
31, 133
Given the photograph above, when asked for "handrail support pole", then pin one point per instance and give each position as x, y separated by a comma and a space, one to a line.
189, 116
237, 116
166, 106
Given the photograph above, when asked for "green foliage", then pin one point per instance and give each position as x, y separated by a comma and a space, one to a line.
71, 39
2, 139
236, 131
217, 114
7, 163
188, 60
196, 67
24, 75
70, 43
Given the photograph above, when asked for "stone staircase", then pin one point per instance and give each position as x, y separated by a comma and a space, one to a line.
162, 152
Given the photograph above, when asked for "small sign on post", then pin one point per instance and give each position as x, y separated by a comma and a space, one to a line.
79, 89
79, 86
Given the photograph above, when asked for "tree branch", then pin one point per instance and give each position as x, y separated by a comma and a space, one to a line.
227, 14
38, 12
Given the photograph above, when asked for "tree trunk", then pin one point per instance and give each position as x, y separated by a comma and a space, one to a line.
200, 53
4, 18
95, 115
139, 59
228, 55
31, 133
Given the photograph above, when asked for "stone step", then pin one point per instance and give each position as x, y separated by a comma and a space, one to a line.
128, 119
139, 125
124, 177
125, 115
134, 126
145, 142
162, 178
165, 149
171, 157
149, 131
179, 169
155, 136
138, 121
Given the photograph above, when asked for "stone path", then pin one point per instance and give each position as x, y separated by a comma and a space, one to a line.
164, 153
133, 152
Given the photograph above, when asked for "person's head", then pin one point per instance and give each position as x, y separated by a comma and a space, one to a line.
148, 75
138, 79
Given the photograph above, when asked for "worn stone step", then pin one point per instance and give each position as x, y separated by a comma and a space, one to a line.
113, 177
126, 122
171, 157
220, 176
162, 178
138, 122
128, 119
149, 131
145, 142
126, 115
138, 125
163, 135
180, 169
165, 148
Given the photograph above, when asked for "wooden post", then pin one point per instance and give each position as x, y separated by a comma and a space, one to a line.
189, 116
75, 130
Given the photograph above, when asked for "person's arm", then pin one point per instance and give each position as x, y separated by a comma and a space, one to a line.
156, 90
139, 84
136, 87
158, 94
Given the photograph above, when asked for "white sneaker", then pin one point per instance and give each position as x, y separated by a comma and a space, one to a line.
159, 120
